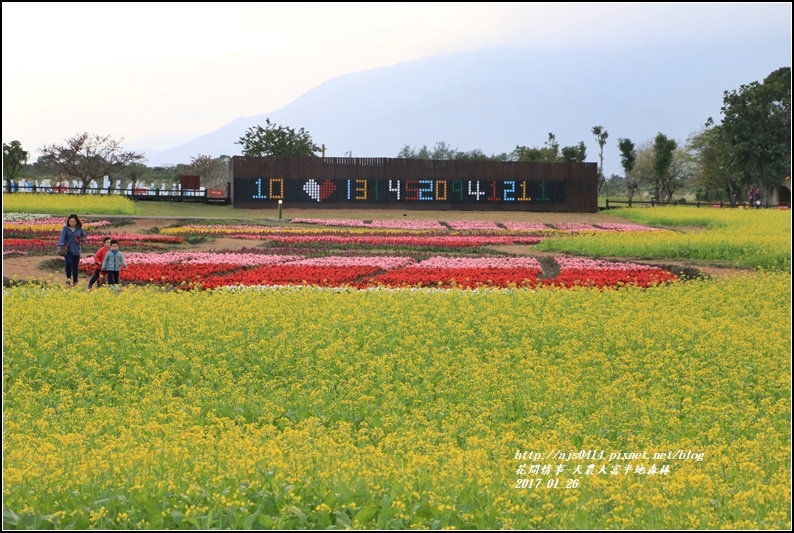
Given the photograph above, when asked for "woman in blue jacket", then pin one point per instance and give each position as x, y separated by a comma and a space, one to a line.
72, 235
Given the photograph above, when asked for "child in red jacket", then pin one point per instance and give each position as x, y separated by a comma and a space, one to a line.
98, 258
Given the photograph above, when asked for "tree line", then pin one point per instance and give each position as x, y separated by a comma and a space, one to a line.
750, 147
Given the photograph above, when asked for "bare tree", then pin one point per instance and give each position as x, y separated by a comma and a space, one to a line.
681, 171
87, 157
214, 172
664, 179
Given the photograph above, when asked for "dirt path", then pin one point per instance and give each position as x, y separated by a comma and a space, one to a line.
50, 268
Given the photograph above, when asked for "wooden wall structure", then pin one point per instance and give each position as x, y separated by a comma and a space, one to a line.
346, 182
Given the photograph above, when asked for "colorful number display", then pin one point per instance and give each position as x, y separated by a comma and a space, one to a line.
400, 191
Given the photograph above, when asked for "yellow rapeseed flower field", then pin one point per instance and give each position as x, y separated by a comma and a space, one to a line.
659, 408
65, 204
746, 238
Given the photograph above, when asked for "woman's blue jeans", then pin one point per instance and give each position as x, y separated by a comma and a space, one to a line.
72, 262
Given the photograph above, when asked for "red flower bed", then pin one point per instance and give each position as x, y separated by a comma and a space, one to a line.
29, 245
209, 276
601, 278
170, 273
324, 276
465, 278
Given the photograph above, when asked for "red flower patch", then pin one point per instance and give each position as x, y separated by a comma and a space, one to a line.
464, 278
610, 278
323, 276
169, 273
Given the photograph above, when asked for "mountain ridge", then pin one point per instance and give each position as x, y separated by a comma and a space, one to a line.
495, 99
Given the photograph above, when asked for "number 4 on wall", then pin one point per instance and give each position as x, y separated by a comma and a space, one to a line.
395, 189
477, 193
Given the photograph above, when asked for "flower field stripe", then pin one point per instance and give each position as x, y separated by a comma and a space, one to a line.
576, 227
471, 225
462, 278
576, 271
241, 259
466, 225
95, 238
480, 262
28, 244
175, 274
378, 223
64, 204
382, 262
168, 273
409, 224
46, 246
295, 230
339, 222
526, 226
459, 241
27, 217
51, 224
570, 263
322, 276
129, 238
610, 278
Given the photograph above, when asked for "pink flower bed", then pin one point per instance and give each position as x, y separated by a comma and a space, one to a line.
526, 226
223, 229
576, 226
568, 263
382, 262
464, 225
390, 224
452, 241
480, 262
409, 224
127, 238
350, 223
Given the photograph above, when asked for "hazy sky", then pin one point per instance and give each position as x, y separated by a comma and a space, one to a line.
160, 74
